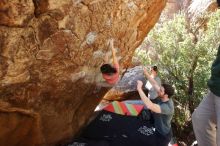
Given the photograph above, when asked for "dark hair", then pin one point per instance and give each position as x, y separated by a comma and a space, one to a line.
107, 69
154, 68
168, 89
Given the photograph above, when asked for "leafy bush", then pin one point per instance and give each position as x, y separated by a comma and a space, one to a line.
183, 51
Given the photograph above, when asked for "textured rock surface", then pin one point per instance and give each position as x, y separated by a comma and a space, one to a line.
50, 53
127, 86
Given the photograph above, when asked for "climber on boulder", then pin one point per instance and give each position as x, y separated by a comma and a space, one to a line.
110, 72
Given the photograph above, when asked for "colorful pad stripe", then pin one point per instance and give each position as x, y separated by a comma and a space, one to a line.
131, 109
124, 108
117, 108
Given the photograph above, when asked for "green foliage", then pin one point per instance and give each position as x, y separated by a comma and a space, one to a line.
184, 54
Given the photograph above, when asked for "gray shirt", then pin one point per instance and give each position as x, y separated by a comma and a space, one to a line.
152, 93
162, 121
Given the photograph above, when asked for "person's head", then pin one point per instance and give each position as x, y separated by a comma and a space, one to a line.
166, 90
154, 70
108, 69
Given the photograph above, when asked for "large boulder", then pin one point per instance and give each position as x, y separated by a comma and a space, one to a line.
126, 89
50, 54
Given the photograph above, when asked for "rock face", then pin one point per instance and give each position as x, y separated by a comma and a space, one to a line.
127, 86
50, 54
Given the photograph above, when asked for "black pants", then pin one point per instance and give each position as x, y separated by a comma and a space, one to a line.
218, 1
